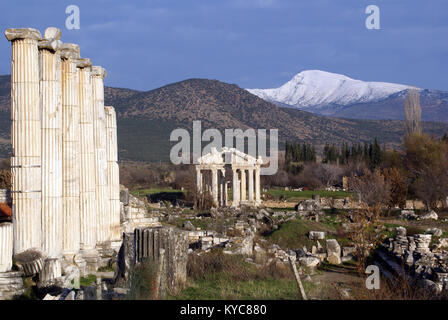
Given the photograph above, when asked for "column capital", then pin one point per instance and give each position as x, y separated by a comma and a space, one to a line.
83, 63
52, 45
69, 50
22, 33
52, 33
98, 71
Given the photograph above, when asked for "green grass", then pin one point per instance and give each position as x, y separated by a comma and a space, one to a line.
198, 223
217, 276
220, 287
150, 191
87, 280
293, 234
307, 194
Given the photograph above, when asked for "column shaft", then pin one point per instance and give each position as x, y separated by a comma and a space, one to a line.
6, 245
251, 185
198, 180
70, 151
226, 200
243, 185
113, 179
51, 103
87, 205
25, 139
235, 190
257, 184
215, 185
99, 133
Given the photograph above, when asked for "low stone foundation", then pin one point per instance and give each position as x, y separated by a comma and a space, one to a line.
11, 285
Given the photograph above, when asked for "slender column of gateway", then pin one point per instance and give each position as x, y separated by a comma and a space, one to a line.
199, 180
113, 178
87, 209
25, 138
257, 185
51, 104
235, 189
251, 185
99, 134
70, 149
215, 185
243, 184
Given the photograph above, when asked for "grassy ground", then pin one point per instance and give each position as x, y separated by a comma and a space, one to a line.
219, 286
294, 234
216, 276
307, 194
150, 191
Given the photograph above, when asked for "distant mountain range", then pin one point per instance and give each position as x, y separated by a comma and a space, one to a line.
337, 95
146, 118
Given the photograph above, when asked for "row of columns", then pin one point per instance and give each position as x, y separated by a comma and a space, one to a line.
65, 180
240, 190
218, 187
246, 193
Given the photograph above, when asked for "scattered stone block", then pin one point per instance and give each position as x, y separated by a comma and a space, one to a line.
333, 251
187, 225
348, 251
316, 235
434, 231
431, 215
309, 261
401, 231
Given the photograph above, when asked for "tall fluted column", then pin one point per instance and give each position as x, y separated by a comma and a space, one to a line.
51, 104
70, 149
6, 245
251, 185
113, 174
243, 185
257, 185
25, 139
87, 209
236, 195
99, 134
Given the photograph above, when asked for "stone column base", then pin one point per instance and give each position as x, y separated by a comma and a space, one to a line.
11, 285
51, 273
108, 251
92, 259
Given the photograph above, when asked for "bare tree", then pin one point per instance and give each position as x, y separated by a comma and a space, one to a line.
413, 113
329, 174
371, 188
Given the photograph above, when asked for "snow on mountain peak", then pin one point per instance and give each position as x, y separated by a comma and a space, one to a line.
314, 88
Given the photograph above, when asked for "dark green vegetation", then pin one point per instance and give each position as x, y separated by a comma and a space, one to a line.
307, 194
146, 119
88, 280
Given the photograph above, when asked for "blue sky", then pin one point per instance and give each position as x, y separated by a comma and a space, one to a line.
252, 43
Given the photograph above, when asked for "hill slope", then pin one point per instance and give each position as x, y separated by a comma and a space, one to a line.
146, 119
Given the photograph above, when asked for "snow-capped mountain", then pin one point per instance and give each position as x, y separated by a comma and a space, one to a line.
327, 93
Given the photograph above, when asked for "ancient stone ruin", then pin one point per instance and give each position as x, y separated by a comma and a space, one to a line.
211, 177
65, 177
418, 258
